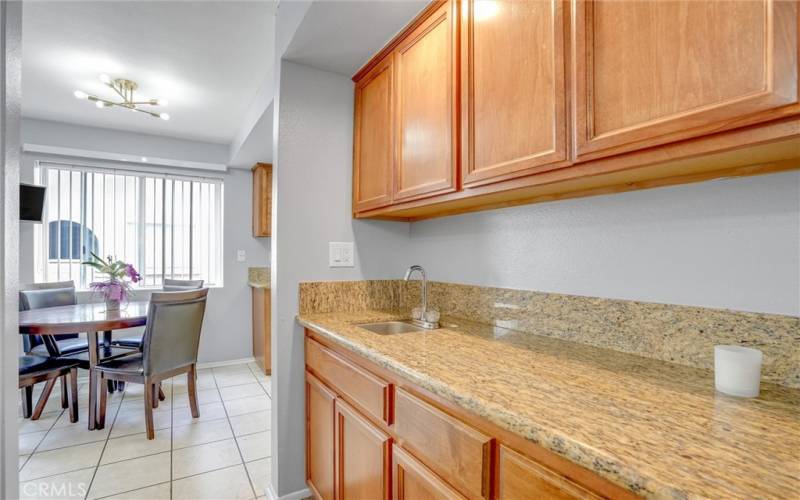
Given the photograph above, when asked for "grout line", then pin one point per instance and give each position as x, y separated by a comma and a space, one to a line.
35, 448
136, 489
171, 432
236, 442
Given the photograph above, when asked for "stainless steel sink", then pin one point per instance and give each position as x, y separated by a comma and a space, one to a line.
391, 327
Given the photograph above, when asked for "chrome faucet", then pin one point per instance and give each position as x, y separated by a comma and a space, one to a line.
425, 319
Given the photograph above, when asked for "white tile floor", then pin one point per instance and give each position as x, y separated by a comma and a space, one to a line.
224, 454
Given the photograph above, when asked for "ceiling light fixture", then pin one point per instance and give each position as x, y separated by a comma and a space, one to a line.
124, 88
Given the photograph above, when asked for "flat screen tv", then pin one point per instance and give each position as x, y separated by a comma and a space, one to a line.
31, 202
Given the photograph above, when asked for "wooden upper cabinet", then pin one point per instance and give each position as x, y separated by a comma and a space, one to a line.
426, 107
652, 72
373, 155
320, 454
513, 91
262, 199
363, 457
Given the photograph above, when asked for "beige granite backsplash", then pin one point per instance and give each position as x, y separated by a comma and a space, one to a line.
258, 276
683, 335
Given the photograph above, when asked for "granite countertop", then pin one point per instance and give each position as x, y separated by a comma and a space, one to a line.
255, 284
656, 428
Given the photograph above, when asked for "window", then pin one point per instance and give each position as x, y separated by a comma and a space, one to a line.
167, 226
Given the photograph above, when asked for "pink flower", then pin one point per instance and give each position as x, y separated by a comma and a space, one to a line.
132, 273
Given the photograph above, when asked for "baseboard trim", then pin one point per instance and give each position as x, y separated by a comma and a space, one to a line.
296, 495
216, 364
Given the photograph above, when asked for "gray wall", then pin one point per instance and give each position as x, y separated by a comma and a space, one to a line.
10, 102
311, 207
228, 322
733, 244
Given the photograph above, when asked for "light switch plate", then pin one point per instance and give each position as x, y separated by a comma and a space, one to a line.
341, 254
241, 256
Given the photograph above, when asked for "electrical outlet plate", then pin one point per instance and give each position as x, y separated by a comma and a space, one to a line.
341, 254
241, 256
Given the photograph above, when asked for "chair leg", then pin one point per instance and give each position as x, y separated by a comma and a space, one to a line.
110, 385
64, 401
154, 395
148, 408
192, 387
120, 385
161, 395
101, 414
48, 388
73, 404
27, 401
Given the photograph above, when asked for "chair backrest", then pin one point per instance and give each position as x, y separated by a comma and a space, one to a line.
172, 334
171, 285
40, 295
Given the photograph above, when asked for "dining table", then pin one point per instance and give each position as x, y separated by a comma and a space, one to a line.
90, 319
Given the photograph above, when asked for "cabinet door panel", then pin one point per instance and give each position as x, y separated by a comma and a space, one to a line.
374, 142
319, 438
513, 88
413, 481
425, 90
454, 450
651, 72
520, 478
363, 459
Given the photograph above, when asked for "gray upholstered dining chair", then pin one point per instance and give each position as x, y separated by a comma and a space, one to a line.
169, 348
170, 285
35, 369
54, 294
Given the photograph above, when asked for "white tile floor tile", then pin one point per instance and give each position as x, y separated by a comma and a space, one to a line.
190, 458
204, 458
70, 485
157, 492
28, 442
250, 423
135, 446
241, 391
230, 483
247, 405
230, 379
200, 433
204, 396
254, 446
260, 472
50, 463
130, 475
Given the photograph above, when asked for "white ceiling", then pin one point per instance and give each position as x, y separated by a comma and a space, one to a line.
208, 58
341, 35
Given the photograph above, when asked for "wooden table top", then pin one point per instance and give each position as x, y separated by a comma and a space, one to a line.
82, 318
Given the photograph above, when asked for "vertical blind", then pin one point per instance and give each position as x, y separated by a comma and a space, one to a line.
167, 226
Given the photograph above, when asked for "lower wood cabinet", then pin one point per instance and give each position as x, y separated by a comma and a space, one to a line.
363, 456
418, 448
414, 481
262, 328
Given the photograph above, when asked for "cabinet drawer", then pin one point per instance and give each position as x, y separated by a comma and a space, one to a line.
413, 481
369, 392
456, 452
521, 478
